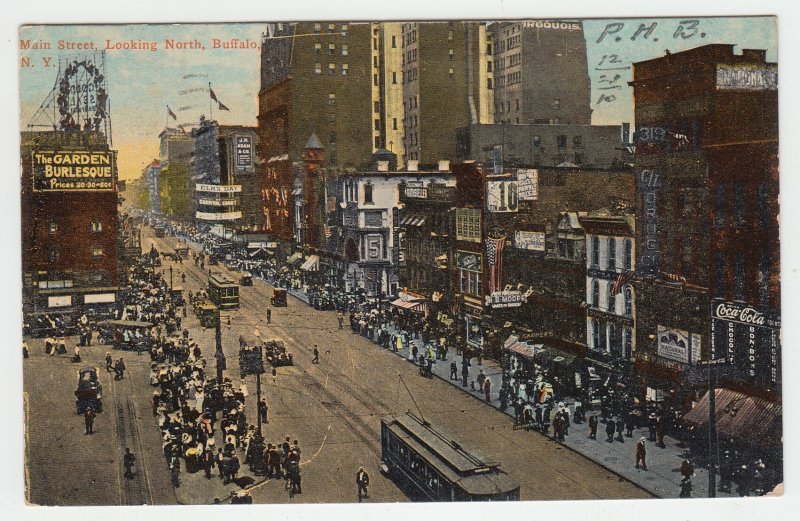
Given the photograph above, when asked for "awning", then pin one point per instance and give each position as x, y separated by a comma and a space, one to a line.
311, 263
557, 356
413, 219
753, 421
411, 305
294, 258
521, 347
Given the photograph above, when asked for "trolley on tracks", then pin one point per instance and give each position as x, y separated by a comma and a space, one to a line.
438, 467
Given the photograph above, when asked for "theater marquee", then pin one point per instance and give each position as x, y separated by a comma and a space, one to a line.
74, 171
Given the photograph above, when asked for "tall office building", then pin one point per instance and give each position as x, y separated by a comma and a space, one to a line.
445, 86
540, 73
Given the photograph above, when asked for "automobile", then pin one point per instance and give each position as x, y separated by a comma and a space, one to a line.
246, 279
278, 297
89, 394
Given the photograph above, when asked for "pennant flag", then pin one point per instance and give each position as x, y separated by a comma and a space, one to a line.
222, 106
171, 114
622, 279
673, 277
211, 92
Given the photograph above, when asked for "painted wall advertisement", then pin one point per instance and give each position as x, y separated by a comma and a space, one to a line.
528, 184
533, 241
244, 151
505, 299
747, 338
502, 196
74, 171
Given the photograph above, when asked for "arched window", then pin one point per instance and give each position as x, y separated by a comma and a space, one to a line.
612, 253
612, 299
595, 294
628, 254
595, 250
628, 293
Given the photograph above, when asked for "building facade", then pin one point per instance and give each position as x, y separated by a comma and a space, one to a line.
707, 235
176, 151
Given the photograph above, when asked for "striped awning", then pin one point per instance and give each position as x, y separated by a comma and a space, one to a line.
413, 219
311, 263
411, 305
753, 421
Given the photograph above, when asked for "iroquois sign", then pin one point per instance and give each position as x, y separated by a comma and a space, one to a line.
74, 171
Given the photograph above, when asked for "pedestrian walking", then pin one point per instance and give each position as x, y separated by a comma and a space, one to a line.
453, 370
315, 360
620, 429
156, 401
262, 410
487, 387
175, 472
641, 454
127, 463
208, 461
610, 429
341, 321
88, 419
592, 427
687, 470
362, 481
269, 316
660, 426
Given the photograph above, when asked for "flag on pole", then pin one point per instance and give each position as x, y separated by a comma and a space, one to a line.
494, 258
171, 114
211, 93
622, 279
222, 106
673, 277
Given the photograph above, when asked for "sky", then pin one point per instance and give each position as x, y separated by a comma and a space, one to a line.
141, 83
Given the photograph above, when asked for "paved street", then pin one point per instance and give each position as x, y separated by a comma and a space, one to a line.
333, 408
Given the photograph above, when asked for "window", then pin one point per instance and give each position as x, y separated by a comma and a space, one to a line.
719, 206
738, 206
52, 227
628, 296
394, 42
331, 69
450, 34
612, 253
368, 186
345, 50
628, 261
394, 123
739, 277
331, 99
374, 44
627, 352
763, 279
376, 106
578, 158
615, 340
331, 49
470, 282
720, 285
489, 83
317, 28
377, 142
375, 80
537, 141
377, 124
345, 69
577, 141
517, 104
317, 48
450, 71
394, 78
317, 68
331, 27
344, 29
611, 298
375, 62
489, 66
556, 103
451, 54
96, 227
595, 294
595, 334
489, 49
53, 254
602, 336
97, 251
561, 141
595, 251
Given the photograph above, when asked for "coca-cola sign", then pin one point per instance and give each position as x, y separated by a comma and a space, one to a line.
743, 314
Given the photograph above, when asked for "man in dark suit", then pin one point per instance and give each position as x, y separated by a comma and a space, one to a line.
88, 419
362, 480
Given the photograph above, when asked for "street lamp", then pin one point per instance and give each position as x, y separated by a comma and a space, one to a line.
257, 334
219, 354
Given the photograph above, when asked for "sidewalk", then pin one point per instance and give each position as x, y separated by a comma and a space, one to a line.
662, 477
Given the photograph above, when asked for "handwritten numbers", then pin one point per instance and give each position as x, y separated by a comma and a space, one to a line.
686, 29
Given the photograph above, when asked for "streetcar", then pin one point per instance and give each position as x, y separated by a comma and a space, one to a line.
436, 467
223, 292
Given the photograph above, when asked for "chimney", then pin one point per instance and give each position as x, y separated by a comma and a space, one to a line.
413, 165
444, 165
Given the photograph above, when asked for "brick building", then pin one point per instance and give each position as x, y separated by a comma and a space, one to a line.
707, 234
69, 223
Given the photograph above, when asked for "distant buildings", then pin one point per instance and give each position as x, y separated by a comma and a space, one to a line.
176, 151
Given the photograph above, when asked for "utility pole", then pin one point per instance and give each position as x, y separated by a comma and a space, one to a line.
712, 429
219, 355
258, 389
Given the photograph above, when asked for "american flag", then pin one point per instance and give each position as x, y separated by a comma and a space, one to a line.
494, 258
672, 277
622, 279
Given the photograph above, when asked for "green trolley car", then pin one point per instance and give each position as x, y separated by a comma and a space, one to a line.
223, 292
